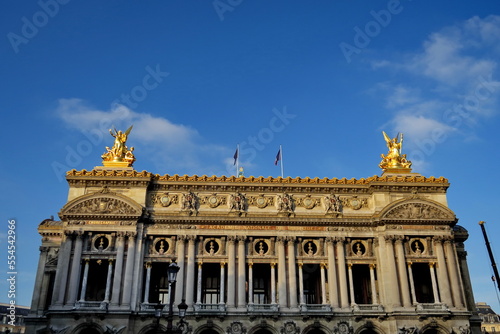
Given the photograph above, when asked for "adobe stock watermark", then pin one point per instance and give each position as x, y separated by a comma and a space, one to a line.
278, 122
31, 26
457, 116
223, 6
365, 34
75, 155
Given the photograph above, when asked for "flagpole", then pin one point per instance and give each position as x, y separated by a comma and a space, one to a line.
281, 152
237, 158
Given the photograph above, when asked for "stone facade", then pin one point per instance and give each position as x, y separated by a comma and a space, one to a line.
257, 255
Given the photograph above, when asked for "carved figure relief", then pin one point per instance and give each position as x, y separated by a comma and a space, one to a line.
343, 327
103, 205
237, 202
290, 327
284, 203
189, 202
332, 203
358, 248
417, 211
417, 247
236, 327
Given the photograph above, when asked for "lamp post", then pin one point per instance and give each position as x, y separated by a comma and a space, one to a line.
158, 308
172, 271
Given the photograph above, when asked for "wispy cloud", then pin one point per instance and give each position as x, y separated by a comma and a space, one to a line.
453, 82
173, 147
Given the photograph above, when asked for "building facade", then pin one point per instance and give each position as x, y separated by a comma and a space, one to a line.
382, 254
490, 320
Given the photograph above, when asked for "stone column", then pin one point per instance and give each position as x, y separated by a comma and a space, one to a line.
323, 284
231, 272
200, 282
454, 275
147, 283
351, 285
189, 286
434, 283
117, 279
138, 266
108, 281
344, 299
273, 283
302, 299
412, 283
44, 295
442, 272
392, 283
403, 277
62, 269
332, 274
84, 280
292, 272
241, 272
129, 270
74, 280
250, 283
181, 262
40, 277
222, 284
373, 284
282, 296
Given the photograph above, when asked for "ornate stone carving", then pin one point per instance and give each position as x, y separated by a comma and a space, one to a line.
237, 202
332, 203
260, 201
307, 202
164, 199
213, 200
284, 203
417, 211
189, 202
343, 327
290, 327
102, 205
236, 327
355, 203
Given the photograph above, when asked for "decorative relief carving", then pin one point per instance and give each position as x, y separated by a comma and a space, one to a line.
355, 203
211, 246
290, 327
332, 203
417, 246
100, 242
213, 200
103, 205
164, 199
359, 248
260, 201
417, 211
237, 202
284, 203
307, 202
236, 327
261, 247
189, 203
161, 246
343, 327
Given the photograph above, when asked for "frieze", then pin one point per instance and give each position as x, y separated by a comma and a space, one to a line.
417, 211
307, 202
102, 205
354, 202
213, 200
260, 201
163, 199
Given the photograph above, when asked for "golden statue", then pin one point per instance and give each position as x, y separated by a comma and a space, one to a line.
394, 159
119, 155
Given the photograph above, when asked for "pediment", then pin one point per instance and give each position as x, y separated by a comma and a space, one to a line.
102, 204
417, 209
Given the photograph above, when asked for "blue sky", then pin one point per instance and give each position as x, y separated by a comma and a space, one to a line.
196, 78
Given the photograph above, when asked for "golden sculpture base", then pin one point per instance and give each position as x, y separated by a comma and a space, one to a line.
113, 168
397, 171
116, 164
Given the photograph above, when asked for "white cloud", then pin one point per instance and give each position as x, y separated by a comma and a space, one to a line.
170, 146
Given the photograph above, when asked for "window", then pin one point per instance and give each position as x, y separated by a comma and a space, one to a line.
210, 283
423, 283
261, 283
362, 284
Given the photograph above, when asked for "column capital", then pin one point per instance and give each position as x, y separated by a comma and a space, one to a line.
389, 238
280, 239
131, 234
273, 264
330, 240
241, 238
223, 264
231, 239
398, 239
191, 238
340, 240
148, 265
372, 265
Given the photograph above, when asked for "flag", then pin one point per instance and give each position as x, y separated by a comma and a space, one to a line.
236, 156
278, 157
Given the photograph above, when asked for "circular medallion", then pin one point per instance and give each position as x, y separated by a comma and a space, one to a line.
213, 201
261, 202
308, 203
165, 200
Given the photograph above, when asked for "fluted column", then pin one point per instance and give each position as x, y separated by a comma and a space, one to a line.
454, 274
241, 272
282, 300
344, 299
323, 284
43, 297
108, 281
392, 284
332, 274
412, 283
434, 283
231, 272
117, 279
62, 269
190, 272
302, 299
181, 262
74, 280
351, 285
373, 284
83, 292
442, 272
129, 269
273, 283
222, 284
40, 277
292, 272
147, 283
250, 283
138, 266
200, 282
403, 277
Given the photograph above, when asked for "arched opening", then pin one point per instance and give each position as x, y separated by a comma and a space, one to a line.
89, 331
368, 331
209, 331
316, 331
263, 331
431, 331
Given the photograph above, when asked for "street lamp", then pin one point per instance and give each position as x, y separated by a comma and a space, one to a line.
172, 271
158, 308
